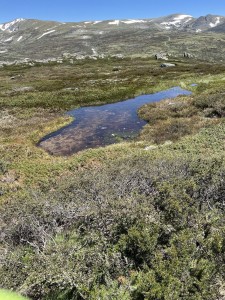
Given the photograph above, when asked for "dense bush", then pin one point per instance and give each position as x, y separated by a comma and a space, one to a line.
138, 228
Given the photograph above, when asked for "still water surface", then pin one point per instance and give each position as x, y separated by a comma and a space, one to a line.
96, 126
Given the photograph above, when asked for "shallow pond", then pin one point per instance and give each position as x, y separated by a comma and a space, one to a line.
103, 125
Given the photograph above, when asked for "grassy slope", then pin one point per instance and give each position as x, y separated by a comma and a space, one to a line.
118, 222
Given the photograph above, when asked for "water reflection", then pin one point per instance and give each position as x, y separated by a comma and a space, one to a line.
96, 126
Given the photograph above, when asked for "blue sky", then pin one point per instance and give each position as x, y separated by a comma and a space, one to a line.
79, 10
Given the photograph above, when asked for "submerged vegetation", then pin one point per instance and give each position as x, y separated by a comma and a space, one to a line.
138, 220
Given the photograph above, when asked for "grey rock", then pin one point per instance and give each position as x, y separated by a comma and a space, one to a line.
187, 55
24, 89
151, 147
116, 69
167, 65
16, 77
66, 55
161, 56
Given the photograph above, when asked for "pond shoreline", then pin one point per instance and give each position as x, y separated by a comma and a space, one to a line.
96, 126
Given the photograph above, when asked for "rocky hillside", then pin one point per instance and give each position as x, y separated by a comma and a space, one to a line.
27, 39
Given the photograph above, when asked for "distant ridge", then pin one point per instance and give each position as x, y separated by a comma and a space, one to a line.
29, 39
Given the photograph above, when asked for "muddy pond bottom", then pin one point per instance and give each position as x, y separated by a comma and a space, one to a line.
96, 126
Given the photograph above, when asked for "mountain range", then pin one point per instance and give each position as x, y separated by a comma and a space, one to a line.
35, 40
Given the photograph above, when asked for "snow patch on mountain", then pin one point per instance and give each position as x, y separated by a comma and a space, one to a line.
168, 24
115, 22
181, 17
133, 21
177, 21
92, 22
187, 20
48, 32
130, 21
7, 26
216, 22
20, 38
9, 39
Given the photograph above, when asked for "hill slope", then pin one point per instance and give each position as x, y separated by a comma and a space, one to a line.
27, 39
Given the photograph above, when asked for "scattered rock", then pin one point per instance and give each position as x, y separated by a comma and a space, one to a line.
66, 55
16, 77
161, 56
167, 143
167, 65
24, 89
187, 55
9, 178
116, 69
151, 147
71, 89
